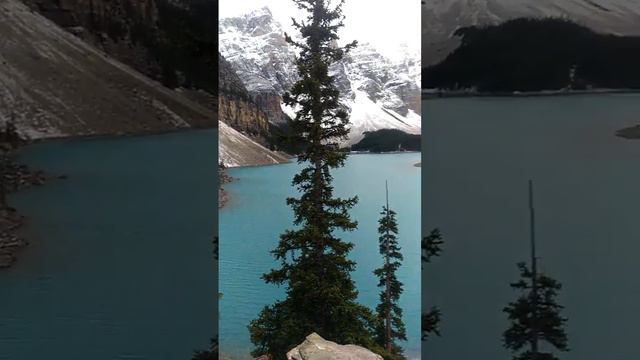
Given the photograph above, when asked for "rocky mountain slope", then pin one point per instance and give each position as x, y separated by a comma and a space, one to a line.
255, 47
378, 92
440, 18
237, 149
236, 107
54, 84
242, 124
172, 41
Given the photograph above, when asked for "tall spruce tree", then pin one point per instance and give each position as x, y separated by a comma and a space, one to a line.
535, 315
314, 267
431, 247
390, 325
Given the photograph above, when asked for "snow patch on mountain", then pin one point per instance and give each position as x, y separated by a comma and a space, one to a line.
288, 110
367, 115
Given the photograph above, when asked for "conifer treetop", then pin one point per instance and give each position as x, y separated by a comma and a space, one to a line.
315, 95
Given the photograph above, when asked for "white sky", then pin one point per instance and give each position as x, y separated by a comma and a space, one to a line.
384, 24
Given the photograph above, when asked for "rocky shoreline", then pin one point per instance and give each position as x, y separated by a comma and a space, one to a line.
436, 94
223, 178
16, 177
10, 241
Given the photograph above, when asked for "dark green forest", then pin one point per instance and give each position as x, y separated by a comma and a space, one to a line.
181, 43
537, 54
188, 44
386, 140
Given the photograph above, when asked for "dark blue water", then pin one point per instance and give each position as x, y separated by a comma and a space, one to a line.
478, 156
120, 264
257, 213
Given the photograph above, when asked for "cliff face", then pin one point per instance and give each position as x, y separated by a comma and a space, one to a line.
242, 115
243, 124
269, 103
116, 17
112, 26
235, 106
169, 41
265, 77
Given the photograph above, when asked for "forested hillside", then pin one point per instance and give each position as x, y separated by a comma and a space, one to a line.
537, 54
173, 42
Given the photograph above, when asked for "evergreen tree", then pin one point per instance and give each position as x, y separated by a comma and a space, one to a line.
535, 315
216, 247
430, 322
314, 267
431, 247
390, 325
211, 354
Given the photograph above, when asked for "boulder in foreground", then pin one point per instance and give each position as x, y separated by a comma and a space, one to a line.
314, 347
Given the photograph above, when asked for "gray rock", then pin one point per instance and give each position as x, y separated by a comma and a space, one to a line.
314, 347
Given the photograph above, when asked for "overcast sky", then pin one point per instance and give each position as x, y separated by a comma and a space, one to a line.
384, 24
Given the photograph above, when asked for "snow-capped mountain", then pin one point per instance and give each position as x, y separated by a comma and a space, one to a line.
379, 92
254, 44
440, 18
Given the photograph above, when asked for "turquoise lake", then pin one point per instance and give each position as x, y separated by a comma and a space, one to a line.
478, 156
120, 262
257, 213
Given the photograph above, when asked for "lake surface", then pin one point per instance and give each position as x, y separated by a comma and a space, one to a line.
478, 157
256, 214
120, 264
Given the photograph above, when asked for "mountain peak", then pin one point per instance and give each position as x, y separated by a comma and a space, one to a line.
258, 22
263, 11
